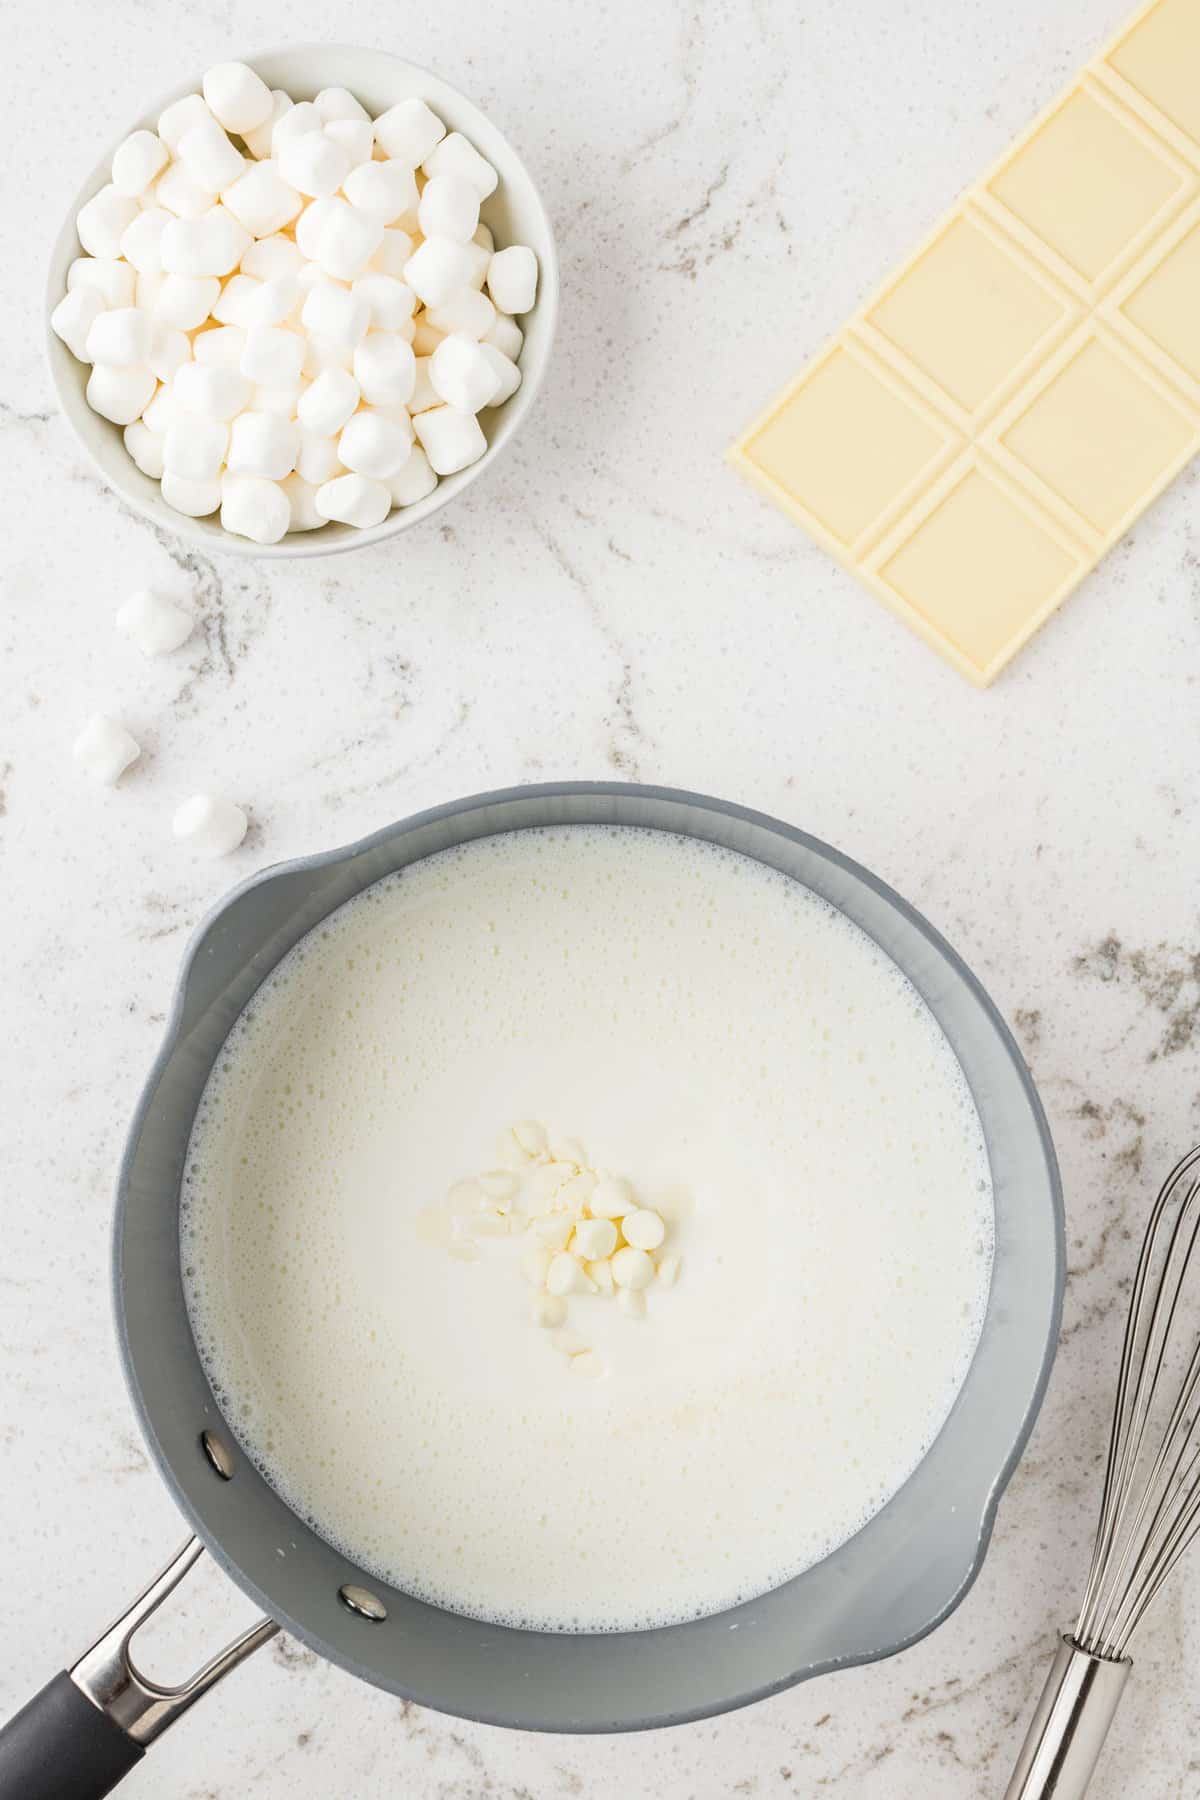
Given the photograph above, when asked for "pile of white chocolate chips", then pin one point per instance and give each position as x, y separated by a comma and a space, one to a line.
587, 1233
293, 308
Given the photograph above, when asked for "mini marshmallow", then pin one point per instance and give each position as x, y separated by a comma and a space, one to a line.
451, 439
478, 259
273, 300
146, 288
155, 623
258, 139
455, 156
347, 240
326, 405
643, 1229
236, 96
102, 222
339, 103
385, 369
209, 157
209, 825
595, 1239
145, 447
120, 393
180, 117
279, 400
355, 136
371, 444
220, 348
512, 278
138, 162
506, 335
186, 301
438, 269
320, 356
424, 394
612, 1198
409, 131
272, 357
206, 246
107, 276
390, 302
196, 499
468, 312
169, 350
354, 500
161, 412
310, 224
393, 252
194, 448
547, 1310
210, 390
265, 445
336, 315
141, 241
461, 373
632, 1268
632, 1302
74, 316
262, 200
482, 236
104, 749
449, 207
302, 501
387, 189
274, 256
508, 376
254, 507
317, 460
236, 294
313, 163
177, 192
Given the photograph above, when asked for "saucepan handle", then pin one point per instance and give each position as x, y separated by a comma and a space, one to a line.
92, 1724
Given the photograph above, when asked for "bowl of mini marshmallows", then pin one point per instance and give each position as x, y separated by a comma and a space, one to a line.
303, 303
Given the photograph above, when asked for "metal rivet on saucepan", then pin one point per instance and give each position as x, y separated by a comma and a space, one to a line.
359, 1600
218, 1455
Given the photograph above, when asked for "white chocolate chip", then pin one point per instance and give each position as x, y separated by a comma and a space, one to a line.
498, 1184
601, 1275
569, 1150
632, 1269
569, 1343
632, 1302
535, 1266
489, 1224
668, 1270
466, 1197
577, 1193
588, 1364
548, 1310
566, 1275
612, 1198
595, 1239
554, 1230
531, 1136
643, 1229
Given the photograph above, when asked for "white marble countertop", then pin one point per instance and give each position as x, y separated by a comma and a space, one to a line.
727, 179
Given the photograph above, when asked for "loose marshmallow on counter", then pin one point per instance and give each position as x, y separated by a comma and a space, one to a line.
512, 278
104, 749
236, 96
209, 825
155, 623
355, 500
409, 131
138, 162
253, 506
455, 156
451, 440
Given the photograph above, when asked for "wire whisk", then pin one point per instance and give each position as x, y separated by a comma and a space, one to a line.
1150, 1507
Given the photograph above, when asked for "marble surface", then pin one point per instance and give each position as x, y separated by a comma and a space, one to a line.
727, 179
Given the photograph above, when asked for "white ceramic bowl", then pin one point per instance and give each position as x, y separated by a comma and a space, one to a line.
514, 212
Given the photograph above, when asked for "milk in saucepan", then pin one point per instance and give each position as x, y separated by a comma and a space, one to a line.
709, 1029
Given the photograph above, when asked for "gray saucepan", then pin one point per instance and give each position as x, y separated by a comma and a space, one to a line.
889, 1585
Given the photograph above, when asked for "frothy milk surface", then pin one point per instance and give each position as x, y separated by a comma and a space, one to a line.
708, 1028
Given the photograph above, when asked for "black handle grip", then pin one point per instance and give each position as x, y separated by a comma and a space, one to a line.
61, 1747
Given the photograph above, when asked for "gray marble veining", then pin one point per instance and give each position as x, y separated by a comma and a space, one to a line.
727, 180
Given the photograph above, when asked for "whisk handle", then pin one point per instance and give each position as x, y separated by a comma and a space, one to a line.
1068, 1729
